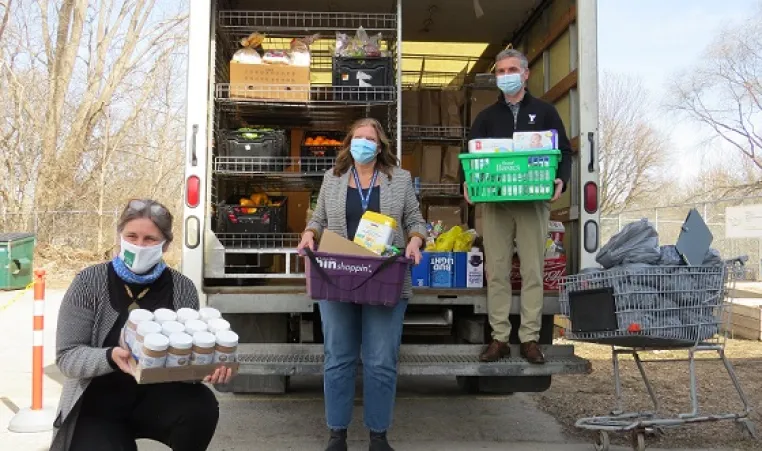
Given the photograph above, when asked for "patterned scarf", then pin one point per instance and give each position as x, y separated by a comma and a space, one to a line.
128, 276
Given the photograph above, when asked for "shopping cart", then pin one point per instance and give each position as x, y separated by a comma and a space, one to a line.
642, 308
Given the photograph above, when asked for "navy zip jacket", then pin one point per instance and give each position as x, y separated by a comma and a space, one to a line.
497, 121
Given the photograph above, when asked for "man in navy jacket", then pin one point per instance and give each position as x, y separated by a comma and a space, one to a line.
526, 222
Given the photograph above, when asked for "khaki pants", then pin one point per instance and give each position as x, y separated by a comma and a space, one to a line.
527, 222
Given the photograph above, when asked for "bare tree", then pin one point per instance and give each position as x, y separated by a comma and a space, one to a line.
724, 91
631, 149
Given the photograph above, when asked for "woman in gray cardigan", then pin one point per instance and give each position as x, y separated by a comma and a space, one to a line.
102, 407
366, 177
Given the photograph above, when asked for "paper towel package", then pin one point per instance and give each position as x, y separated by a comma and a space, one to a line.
489, 145
540, 140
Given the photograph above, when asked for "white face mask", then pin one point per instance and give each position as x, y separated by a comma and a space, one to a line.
140, 259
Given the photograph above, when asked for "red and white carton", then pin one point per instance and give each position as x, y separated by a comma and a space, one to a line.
555, 260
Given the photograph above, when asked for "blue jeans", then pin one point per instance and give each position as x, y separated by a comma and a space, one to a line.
375, 332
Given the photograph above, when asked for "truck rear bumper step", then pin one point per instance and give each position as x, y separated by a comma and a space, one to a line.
415, 360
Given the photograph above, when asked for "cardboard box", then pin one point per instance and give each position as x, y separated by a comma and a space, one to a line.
542, 140
176, 374
449, 215
481, 99
496, 145
269, 82
431, 164
452, 110
447, 269
173, 374
334, 243
431, 107
553, 274
451, 165
411, 107
475, 269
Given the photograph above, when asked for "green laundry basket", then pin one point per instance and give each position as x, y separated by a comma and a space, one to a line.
16, 259
510, 176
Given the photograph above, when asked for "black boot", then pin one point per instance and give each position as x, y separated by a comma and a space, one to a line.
338, 440
378, 442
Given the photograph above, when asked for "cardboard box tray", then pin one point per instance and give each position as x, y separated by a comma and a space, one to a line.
176, 374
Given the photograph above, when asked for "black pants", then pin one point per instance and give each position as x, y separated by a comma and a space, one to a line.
182, 416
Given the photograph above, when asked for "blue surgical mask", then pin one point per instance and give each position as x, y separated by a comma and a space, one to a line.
363, 150
510, 83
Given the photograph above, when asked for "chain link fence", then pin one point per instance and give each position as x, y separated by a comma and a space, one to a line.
669, 220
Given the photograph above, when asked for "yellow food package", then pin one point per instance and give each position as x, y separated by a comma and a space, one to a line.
375, 231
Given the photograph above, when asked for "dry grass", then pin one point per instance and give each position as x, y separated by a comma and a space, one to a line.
574, 397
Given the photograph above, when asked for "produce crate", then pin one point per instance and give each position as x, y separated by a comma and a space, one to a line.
232, 217
510, 176
320, 145
254, 142
364, 79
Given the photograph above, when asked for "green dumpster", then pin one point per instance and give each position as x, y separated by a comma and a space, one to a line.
16, 258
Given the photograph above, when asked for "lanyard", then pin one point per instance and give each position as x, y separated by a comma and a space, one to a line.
365, 200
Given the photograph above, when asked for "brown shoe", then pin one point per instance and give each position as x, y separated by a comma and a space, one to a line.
532, 352
495, 351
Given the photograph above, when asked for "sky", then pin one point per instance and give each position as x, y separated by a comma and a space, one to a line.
655, 40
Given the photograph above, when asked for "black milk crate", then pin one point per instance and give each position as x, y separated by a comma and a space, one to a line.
319, 151
234, 218
363, 79
254, 143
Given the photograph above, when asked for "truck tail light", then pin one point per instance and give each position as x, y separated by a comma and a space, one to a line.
590, 201
193, 191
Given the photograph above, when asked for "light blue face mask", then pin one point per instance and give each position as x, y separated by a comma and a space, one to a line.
363, 150
510, 83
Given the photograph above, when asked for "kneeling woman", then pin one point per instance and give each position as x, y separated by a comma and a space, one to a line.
102, 407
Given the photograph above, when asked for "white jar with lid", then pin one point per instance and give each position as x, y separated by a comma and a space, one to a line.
162, 315
226, 346
195, 325
209, 313
136, 317
186, 314
144, 328
218, 325
203, 348
154, 351
172, 327
180, 349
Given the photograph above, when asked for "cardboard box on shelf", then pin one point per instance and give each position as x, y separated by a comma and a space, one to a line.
452, 110
431, 164
451, 165
481, 99
269, 82
411, 158
411, 107
431, 114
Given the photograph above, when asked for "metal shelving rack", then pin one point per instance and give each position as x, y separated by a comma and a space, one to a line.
328, 107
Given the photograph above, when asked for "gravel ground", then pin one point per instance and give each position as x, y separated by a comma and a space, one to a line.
574, 397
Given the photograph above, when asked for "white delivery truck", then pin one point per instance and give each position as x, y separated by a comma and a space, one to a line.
260, 136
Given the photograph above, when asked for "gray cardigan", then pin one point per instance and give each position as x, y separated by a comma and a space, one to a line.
84, 320
398, 200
